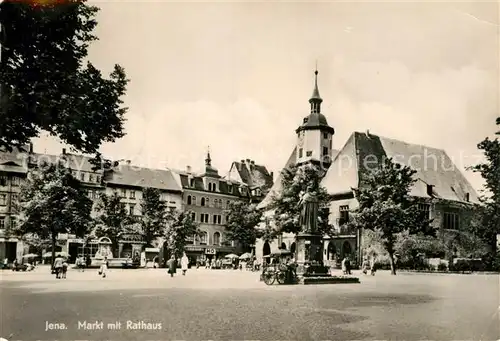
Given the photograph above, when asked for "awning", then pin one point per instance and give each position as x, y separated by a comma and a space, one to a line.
152, 249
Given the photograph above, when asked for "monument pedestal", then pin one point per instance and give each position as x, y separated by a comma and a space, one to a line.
309, 259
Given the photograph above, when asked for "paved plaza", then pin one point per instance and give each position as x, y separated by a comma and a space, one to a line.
234, 305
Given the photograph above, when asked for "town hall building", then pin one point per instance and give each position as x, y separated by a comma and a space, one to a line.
441, 188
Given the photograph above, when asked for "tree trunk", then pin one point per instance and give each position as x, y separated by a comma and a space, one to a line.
393, 266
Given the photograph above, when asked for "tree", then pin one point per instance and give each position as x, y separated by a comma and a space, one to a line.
295, 181
179, 230
154, 215
52, 201
386, 207
46, 83
242, 220
490, 171
112, 219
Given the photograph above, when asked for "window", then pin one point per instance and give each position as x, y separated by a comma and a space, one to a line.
3, 199
230, 188
202, 201
207, 203
193, 216
325, 135
2, 222
203, 238
91, 178
216, 238
123, 193
219, 219
344, 214
194, 200
204, 217
191, 182
228, 203
189, 200
82, 176
451, 221
98, 179
132, 209
210, 187
325, 150
90, 193
300, 152
3, 180
132, 194
309, 153
16, 181
13, 222
214, 218
425, 209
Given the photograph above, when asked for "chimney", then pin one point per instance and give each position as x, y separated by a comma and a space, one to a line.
252, 162
64, 151
467, 197
128, 162
248, 160
272, 176
31, 147
367, 133
430, 190
188, 169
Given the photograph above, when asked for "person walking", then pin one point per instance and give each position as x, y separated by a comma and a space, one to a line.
64, 269
58, 264
184, 264
344, 265
171, 264
104, 267
373, 266
365, 266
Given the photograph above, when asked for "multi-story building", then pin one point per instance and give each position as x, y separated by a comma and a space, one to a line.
13, 172
256, 177
207, 196
441, 187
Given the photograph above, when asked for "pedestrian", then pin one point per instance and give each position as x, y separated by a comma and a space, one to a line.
373, 266
348, 266
171, 264
64, 268
344, 265
365, 266
184, 264
58, 263
104, 267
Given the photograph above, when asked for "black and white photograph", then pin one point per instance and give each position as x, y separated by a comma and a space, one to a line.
249, 170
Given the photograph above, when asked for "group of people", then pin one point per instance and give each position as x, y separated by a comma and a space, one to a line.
172, 265
60, 267
83, 262
369, 266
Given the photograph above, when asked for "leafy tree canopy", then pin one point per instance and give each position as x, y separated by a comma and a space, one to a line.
296, 180
242, 220
179, 231
112, 219
490, 171
386, 207
155, 215
52, 201
46, 82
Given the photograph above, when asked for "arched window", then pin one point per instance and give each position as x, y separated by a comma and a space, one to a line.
193, 200
189, 200
202, 201
210, 187
216, 238
203, 238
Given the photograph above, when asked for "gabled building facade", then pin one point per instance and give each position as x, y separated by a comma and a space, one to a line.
256, 177
208, 196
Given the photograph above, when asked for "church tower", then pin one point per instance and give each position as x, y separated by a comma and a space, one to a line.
314, 136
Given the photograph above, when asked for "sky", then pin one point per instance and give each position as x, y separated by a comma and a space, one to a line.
237, 77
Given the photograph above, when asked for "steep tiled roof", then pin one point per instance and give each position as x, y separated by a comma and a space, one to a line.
434, 167
73, 161
129, 175
198, 184
253, 175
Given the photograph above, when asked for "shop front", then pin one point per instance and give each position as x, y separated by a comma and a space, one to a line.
201, 254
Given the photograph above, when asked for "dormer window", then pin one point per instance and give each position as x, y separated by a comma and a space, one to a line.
230, 188
191, 182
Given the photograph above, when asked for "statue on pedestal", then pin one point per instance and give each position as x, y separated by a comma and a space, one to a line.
310, 207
